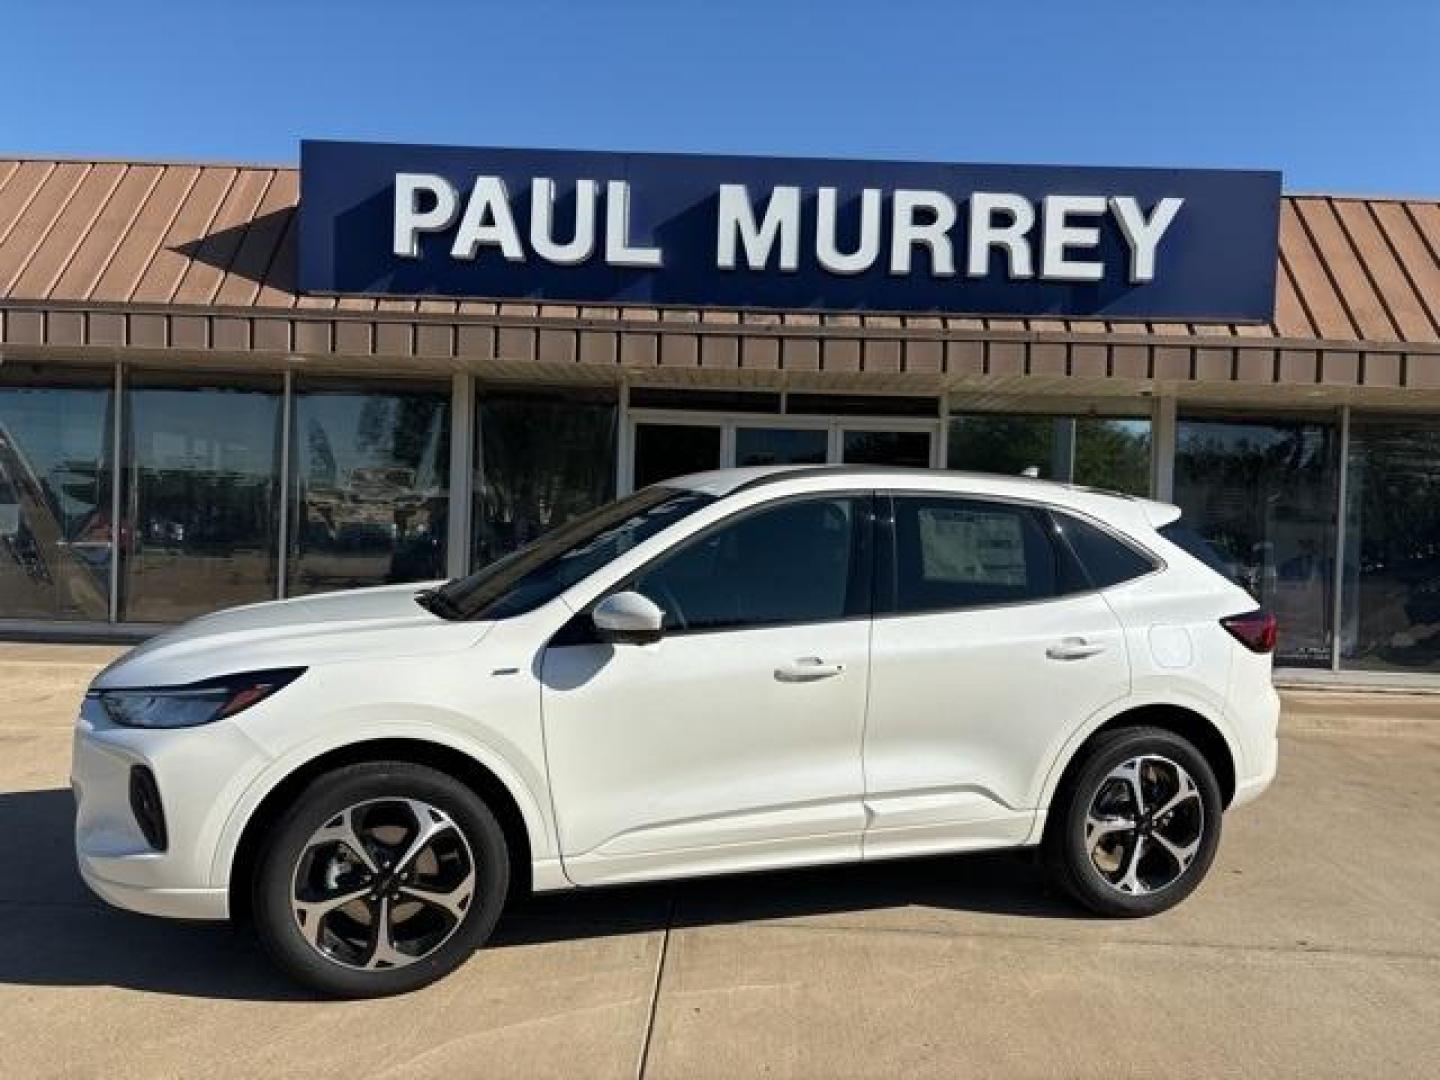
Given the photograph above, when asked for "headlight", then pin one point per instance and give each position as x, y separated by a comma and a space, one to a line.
198, 703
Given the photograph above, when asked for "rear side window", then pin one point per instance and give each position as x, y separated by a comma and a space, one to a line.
1192, 543
959, 553
1107, 559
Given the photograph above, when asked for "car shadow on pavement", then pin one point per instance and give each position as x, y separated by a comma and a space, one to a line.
55, 933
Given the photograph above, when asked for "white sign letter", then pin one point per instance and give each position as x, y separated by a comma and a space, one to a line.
905, 231
737, 222
985, 233
864, 255
1059, 234
487, 220
618, 251
542, 222
410, 220
1143, 236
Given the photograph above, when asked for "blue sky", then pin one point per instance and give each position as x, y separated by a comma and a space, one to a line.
1342, 96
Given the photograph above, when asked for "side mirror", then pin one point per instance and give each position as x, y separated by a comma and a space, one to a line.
627, 618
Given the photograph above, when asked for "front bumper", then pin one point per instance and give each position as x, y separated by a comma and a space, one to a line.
200, 773
205, 904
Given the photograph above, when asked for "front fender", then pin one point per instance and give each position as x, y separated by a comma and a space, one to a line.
531, 802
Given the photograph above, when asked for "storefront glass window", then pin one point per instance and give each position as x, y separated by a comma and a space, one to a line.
370, 493
1391, 592
1113, 454
543, 458
55, 476
1097, 451
1264, 494
201, 524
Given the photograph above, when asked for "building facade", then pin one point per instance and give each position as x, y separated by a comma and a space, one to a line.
183, 428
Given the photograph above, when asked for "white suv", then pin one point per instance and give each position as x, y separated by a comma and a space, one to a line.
738, 670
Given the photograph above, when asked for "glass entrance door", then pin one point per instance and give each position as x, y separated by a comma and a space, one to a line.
663, 450
781, 445
667, 443
910, 448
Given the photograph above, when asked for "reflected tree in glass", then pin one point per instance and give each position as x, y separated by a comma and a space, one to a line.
202, 489
55, 522
1113, 454
1100, 452
1264, 495
542, 459
371, 496
1391, 595
1002, 443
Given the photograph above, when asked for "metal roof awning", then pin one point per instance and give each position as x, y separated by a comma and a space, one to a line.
196, 264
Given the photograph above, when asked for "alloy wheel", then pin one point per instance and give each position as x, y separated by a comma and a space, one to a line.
382, 884
1145, 825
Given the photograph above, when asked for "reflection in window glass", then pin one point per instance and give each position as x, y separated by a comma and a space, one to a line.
780, 446
542, 460
958, 553
1107, 559
1263, 494
201, 498
664, 451
371, 476
1391, 598
1113, 454
55, 535
793, 563
1096, 451
910, 449
1006, 445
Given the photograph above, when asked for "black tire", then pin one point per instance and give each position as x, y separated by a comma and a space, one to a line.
1068, 856
326, 800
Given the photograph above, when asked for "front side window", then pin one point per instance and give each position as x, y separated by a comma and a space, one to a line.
958, 553
803, 561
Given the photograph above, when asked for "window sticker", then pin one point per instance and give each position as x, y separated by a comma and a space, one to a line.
971, 546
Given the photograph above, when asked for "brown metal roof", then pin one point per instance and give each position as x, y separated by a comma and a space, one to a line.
170, 256
1350, 269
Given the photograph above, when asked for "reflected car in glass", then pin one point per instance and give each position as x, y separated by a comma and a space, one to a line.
733, 671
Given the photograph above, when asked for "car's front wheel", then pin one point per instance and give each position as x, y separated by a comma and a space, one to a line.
1134, 829
381, 878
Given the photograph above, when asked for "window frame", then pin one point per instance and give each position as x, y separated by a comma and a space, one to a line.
864, 529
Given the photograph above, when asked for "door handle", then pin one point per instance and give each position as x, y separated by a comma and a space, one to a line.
808, 669
1073, 648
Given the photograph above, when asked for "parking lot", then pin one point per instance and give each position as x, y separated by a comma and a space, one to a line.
1313, 950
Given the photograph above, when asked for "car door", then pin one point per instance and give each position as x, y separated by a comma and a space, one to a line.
732, 742
986, 652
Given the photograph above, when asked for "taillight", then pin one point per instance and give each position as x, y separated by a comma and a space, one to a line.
1255, 630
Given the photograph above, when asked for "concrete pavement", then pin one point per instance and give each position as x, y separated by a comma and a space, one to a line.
1313, 950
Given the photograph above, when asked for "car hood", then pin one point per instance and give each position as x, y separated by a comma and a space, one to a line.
328, 628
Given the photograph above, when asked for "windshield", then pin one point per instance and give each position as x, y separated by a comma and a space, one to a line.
541, 571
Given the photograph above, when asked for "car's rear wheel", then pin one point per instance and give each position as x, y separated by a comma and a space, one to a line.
1135, 827
382, 877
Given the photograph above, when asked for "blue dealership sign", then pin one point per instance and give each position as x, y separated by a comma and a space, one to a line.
797, 233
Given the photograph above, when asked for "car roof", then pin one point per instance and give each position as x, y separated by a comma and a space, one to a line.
724, 482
